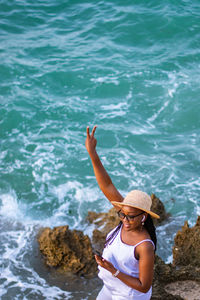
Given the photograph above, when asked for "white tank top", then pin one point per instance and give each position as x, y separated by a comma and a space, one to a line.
122, 256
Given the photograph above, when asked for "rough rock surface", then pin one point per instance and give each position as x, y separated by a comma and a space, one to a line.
186, 266
186, 245
164, 274
67, 250
158, 208
105, 222
188, 289
71, 251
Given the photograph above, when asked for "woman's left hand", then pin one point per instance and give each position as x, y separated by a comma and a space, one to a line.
105, 264
91, 142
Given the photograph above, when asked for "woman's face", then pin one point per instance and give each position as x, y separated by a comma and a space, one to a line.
133, 221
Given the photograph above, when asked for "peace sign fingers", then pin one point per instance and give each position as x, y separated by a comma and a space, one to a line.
91, 142
93, 130
88, 131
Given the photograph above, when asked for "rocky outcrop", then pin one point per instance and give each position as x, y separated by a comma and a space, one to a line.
69, 251
158, 208
104, 223
164, 274
186, 246
186, 266
187, 289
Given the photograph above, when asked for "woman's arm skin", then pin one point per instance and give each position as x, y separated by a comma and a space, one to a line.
146, 263
103, 179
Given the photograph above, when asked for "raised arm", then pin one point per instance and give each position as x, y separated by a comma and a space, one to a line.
103, 179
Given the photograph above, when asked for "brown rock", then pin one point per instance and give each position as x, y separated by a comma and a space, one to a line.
186, 246
167, 273
105, 222
162, 276
71, 251
186, 266
68, 251
166, 276
158, 208
187, 289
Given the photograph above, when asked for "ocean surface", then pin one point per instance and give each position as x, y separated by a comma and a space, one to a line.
132, 68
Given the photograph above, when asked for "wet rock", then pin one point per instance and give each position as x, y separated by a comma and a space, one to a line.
67, 250
186, 246
104, 223
166, 274
158, 208
186, 265
187, 289
71, 251
162, 273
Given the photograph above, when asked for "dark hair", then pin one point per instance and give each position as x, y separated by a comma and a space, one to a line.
148, 224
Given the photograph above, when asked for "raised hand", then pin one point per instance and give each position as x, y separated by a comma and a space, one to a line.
91, 142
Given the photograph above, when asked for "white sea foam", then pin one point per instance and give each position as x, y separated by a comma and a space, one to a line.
114, 110
16, 270
156, 115
119, 106
198, 210
9, 205
106, 79
130, 95
80, 192
83, 196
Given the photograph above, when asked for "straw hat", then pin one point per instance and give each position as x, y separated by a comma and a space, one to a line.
137, 199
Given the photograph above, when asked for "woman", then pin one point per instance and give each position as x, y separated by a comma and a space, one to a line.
126, 266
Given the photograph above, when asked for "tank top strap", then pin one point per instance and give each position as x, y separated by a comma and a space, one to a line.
146, 240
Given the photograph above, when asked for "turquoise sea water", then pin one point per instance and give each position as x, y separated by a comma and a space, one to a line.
132, 68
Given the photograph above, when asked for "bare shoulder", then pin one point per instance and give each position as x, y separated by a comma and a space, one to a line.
146, 248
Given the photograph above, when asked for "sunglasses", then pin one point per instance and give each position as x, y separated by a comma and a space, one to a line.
129, 218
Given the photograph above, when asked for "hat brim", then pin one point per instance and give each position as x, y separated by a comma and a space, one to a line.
120, 204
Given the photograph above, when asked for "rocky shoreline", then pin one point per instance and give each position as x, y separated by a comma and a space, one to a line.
71, 252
